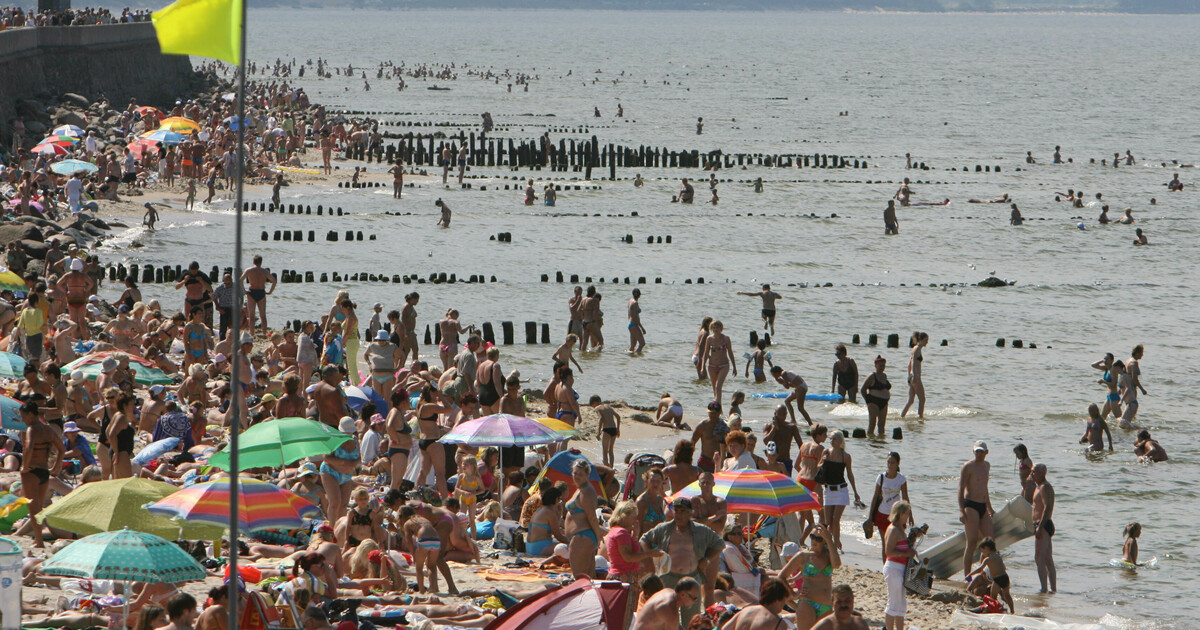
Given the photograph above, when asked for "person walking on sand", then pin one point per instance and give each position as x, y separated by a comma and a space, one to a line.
916, 389
1043, 530
975, 503
256, 279
768, 305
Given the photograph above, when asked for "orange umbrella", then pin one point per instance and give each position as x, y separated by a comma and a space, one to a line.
179, 124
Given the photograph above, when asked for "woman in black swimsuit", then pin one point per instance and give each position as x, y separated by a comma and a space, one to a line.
435, 457
489, 382
399, 436
132, 295
120, 437
916, 389
102, 418
876, 391
197, 290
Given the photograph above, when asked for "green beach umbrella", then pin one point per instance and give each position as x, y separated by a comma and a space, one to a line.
11, 365
106, 506
280, 442
144, 373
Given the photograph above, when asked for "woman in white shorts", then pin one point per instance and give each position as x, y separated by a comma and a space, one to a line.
835, 474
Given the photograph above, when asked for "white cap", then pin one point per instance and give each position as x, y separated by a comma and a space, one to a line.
980, 445
155, 390
561, 550
601, 563
789, 549
77, 264
346, 425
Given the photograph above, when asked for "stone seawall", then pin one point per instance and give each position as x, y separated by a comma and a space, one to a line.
117, 61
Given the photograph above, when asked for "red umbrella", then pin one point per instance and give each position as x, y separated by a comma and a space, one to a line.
50, 148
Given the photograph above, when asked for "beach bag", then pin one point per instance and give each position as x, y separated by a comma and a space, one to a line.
918, 579
506, 534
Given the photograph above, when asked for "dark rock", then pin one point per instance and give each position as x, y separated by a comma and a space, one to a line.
992, 282
76, 100
39, 222
83, 239
68, 117
34, 249
19, 232
35, 127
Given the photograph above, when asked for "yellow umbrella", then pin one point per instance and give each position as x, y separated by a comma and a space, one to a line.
559, 427
179, 124
11, 281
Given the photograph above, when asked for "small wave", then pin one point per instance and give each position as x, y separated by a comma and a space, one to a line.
952, 412
1117, 622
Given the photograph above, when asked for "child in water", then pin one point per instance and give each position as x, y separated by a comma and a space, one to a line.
1130, 551
990, 559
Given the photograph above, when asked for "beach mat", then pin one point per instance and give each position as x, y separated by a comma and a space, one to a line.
1012, 523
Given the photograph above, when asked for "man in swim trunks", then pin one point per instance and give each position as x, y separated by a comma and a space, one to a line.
783, 433
40, 440
712, 445
891, 225
768, 305
77, 286
575, 305
1043, 529
256, 279
329, 398
974, 502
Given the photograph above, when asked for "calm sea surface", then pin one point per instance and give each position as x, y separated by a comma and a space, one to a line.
953, 90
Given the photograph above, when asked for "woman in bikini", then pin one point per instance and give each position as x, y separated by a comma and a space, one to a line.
1112, 380
120, 436
717, 357
197, 290
810, 573
433, 458
337, 471
451, 328
637, 332
423, 539
837, 475
399, 436
197, 339
581, 527
362, 521
652, 504
36, 468
124, 331
701, 345
1024, 471
916, 389
568, 400
408, 328
876, 390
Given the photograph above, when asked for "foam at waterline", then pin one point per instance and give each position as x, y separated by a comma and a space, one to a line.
859, 410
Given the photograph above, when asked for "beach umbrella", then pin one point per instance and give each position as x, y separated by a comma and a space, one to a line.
154, 450
757, 492
10, 414
68, 130
260, 505
357, 396
140, 146
106, 506
36, 205
559, 469
180, 124
67, 167
145, 110
9, 279
501, 429
166, 136
280, 442
125, 555
51, 148
66, 141
144, 372
562, 428
11, 365
232, 123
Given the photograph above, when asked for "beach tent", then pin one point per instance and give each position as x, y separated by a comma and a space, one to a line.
582, 605
559, 469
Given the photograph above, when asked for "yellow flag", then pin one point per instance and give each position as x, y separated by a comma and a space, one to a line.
205, 28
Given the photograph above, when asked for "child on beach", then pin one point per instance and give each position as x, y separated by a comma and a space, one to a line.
609, 428
990, 559
1130, 551
190, 204
468, 488
758, 358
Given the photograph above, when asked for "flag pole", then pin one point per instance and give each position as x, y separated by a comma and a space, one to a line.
236, 392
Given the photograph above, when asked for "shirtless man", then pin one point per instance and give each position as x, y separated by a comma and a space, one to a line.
766, 614
256, 279
783, 433
712, 446
36, 469
686, 192
975, 503
291, 404
408, 325
891, 225
575, 305
768, 305
799, 388
77, 286
1043, 529
663, 610
708, 508
1133, 374
843, 616
326, 152
329, 398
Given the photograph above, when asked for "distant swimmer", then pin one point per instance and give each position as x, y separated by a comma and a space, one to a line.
686, 192
1057, 154
1129, 158
1175, 185
758, 185
638, 182
904, 193
597, 114
1149, 448
549, 195
768, 305
1029, 158
1001, 199
714, 198
1104, 220
891, 225
1141, 238
530, 193
1068, 196
1128, 218
445, 220
699, 125
1015, 217
944, 202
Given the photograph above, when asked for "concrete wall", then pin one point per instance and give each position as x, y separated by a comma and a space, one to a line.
120, 61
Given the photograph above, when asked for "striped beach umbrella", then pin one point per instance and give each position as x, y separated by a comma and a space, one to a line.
560, 427
52, 148
501, 429
68, 130
757, 492
144, 372
166, 136
260, 505
179, 124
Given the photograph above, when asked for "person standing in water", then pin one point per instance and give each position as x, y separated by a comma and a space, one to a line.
1043, 530
397, 172
845, 375
975, 503
891, 225
876, 391
718, 357
1096, 429
768, 305
916, 389
637, 333
1133, 380
444, 222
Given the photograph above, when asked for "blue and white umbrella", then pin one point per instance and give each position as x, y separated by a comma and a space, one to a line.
357, 396
68, 130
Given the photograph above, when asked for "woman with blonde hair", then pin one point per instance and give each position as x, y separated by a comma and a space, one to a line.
898, 552
625, 555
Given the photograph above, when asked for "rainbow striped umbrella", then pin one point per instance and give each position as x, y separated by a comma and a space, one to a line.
144, 372
501, 429
260, 505
757, 492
